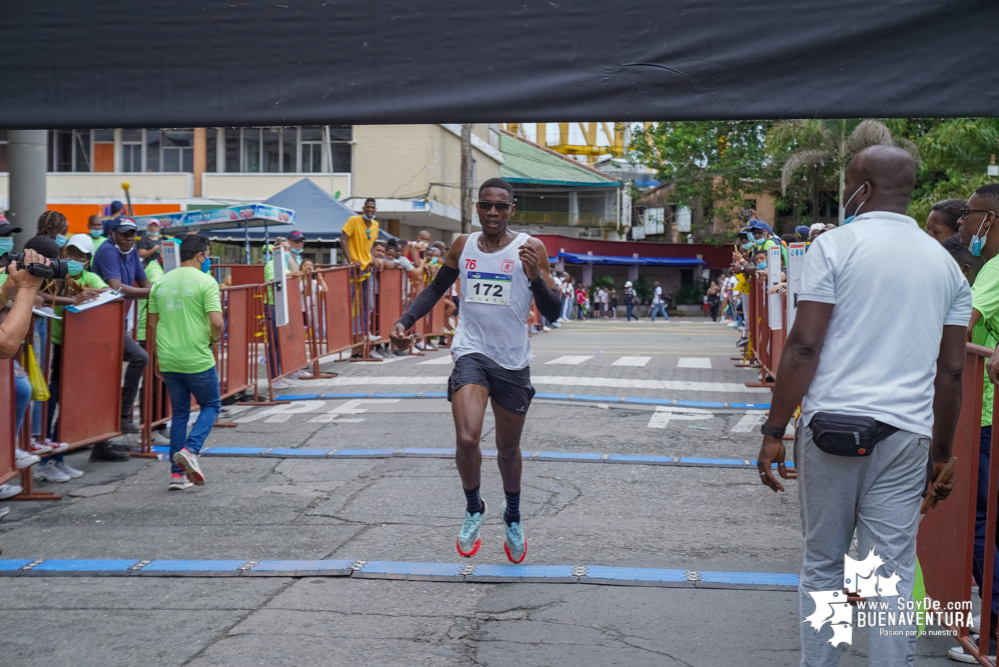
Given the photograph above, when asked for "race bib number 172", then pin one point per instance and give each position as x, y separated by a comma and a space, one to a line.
490, 288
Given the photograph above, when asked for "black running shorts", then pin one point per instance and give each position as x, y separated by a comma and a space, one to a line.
512, 390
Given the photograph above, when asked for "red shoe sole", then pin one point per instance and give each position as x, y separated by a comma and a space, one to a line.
192, 474
510, 557
475, 548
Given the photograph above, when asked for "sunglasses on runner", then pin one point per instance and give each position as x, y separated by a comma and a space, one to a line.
501, 206
966, 211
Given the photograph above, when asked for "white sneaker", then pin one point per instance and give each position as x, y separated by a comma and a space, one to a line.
419, 345
48, 472
23, 459
546, 328
375, 354
9, 491
160, 438
373, 338
280, 383
68, 470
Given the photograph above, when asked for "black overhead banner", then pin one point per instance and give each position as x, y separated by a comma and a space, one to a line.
204, 63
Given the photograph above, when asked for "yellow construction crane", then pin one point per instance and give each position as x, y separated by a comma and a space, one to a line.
615, 132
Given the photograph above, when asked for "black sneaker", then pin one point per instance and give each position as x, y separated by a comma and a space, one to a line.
103, 451
128, 427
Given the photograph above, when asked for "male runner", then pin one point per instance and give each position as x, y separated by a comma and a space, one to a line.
500, 271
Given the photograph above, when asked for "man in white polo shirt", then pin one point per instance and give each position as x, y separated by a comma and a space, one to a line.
878, 383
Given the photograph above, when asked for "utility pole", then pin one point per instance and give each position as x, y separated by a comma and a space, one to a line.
27, 151
466, 178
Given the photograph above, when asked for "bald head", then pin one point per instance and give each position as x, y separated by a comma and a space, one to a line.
879, 178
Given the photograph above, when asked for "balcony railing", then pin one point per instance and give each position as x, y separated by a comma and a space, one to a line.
563, 219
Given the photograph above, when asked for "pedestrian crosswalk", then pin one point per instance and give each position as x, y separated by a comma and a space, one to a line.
569, 360
632, 361
597, 359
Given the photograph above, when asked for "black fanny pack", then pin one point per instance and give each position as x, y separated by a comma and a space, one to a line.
848, 435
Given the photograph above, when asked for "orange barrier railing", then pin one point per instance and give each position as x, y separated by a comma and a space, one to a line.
766, 344
321, 323
945, 545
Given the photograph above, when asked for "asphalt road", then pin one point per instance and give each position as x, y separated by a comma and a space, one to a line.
410, 509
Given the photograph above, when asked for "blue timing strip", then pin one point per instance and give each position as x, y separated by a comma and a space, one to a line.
394, 569
442, 453
583, 398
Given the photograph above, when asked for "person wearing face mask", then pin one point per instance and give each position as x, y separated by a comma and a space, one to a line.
185, 327
978, 233
95, 228
118, 264
54, 225
80, 286
151, 244
843, 364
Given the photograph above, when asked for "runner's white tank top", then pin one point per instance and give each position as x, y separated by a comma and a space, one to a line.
495, 305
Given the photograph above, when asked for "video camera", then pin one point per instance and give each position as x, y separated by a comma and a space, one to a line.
57, 269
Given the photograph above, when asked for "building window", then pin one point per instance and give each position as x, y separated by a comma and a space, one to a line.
312, 149
177, 150
131, 150
70, 150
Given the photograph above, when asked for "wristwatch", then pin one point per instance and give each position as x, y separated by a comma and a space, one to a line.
772, 432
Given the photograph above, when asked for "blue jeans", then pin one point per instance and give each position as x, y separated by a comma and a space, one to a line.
659, 308
981, 507
630, 310
22, 395
204, 386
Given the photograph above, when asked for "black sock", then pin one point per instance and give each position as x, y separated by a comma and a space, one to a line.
512, 514
474, 503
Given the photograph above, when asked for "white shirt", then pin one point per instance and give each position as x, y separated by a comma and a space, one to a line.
894, 288
659, 296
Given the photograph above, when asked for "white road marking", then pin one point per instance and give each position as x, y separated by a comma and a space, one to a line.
694, 362
274, 413
632, 361
560, 380
750, 422
446, 359
349, 408
666, 414
569, 360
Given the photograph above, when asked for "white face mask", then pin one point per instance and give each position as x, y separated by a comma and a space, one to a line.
848, 220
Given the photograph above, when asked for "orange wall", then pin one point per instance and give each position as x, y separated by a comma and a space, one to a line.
77, 214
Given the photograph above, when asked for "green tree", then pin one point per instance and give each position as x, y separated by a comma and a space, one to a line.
713, 163
956, 153
824, 148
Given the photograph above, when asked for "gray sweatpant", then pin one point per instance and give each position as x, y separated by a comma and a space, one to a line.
879, 495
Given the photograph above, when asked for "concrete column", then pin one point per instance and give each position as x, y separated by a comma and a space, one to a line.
26, 155
117, 151
574, 209
633, 272
200, 158
587, 274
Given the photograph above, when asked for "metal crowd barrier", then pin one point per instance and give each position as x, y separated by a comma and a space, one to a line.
765, 344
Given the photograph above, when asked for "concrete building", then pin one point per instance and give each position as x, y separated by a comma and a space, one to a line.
412, 170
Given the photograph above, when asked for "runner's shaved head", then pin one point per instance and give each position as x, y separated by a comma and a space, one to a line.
889, 169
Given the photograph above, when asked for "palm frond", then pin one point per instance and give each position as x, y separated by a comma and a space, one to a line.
867, 133
809, 157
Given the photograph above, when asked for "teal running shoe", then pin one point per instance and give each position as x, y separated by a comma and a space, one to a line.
515, 544
468, 539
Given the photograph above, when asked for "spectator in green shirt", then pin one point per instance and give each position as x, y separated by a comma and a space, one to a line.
185, 324
978, 217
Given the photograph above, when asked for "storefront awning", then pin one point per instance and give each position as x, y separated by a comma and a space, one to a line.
577, 258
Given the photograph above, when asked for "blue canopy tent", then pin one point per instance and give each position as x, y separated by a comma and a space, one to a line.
318, 215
